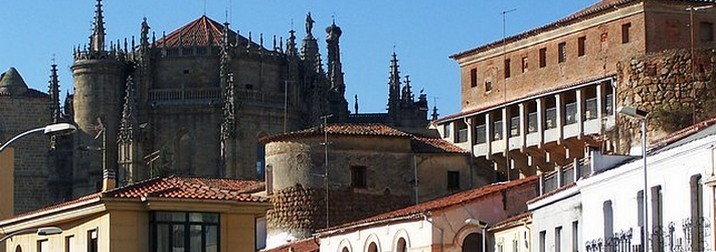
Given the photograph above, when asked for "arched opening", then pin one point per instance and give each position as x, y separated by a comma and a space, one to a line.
344, 249
472, 243
402, 246
372, 247
18, 248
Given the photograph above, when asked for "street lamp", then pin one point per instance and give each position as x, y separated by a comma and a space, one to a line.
52, 129
641, 115
43, 231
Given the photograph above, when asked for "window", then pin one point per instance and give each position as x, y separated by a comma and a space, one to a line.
697, 205
581, 46
507, 68
359, 177
657, 217
608, 219
558, 239
575, 236
446, 130
707, 31
42, 246
18, 248
472, 243
70, 243
473, 77
185, 231
543, 57
625, 32
345, 249
562, 51
372, 247
525, 64
542, 240
640, 214
92, 245
260, 161
402, 246
515, 245
453, 180
488, 86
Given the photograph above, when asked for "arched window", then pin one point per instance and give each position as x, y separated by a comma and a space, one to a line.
344, 249
472, 243
402, 246
18, 248
372, 247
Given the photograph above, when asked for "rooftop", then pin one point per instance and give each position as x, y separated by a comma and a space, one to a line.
203, 31
426, 208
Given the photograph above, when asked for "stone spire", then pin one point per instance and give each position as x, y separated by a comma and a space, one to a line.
97, 39
54, 91
128, 120
129, 160
434, 115
393, 84
11, 83
407, 96
335, 72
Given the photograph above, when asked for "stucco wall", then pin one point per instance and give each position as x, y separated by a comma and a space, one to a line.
672, 170
563, 212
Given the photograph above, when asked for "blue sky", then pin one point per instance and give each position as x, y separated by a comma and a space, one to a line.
424, 33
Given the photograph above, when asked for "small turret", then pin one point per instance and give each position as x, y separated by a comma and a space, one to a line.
11, 83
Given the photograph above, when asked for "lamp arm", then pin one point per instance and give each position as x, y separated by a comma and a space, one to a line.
6, 144
10, 235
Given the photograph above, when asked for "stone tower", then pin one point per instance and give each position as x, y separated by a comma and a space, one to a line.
98, 85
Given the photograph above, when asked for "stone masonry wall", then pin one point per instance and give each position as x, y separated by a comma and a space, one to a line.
301, 210
17, 115
663, 85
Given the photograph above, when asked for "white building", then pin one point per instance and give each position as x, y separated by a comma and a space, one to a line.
679, 197
453, 223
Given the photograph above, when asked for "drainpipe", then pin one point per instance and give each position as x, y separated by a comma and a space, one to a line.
442, 232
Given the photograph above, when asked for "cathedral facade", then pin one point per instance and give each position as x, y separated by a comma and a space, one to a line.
196, 101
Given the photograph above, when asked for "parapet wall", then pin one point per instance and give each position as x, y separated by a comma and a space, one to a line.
664, 85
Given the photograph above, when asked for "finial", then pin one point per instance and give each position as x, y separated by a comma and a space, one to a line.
280, 43
356, 103
274, 42
98, 31
248, 45
261, 39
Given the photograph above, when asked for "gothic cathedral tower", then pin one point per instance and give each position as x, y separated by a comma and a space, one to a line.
98, 76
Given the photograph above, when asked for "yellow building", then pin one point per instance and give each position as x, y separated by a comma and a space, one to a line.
163, 214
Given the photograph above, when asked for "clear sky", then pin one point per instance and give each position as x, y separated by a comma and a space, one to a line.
423, 33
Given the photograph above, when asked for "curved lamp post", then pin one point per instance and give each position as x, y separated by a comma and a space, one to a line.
43, 231
641, 116
52, 129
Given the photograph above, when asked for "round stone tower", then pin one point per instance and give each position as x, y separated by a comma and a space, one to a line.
98, 77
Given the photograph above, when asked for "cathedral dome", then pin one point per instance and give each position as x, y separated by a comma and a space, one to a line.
11, 83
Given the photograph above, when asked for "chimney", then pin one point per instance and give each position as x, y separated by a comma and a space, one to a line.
109, 180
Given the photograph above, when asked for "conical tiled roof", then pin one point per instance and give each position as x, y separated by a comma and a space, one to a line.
11, 83
201, 32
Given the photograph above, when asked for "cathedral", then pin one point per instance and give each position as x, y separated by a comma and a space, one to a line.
196, 101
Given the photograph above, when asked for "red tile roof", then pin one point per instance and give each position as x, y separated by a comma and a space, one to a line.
434, 145
512, 221
419, 144
683, 133
415, 211
355, 129
201, 32
307, 245
173, 188
191, 188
